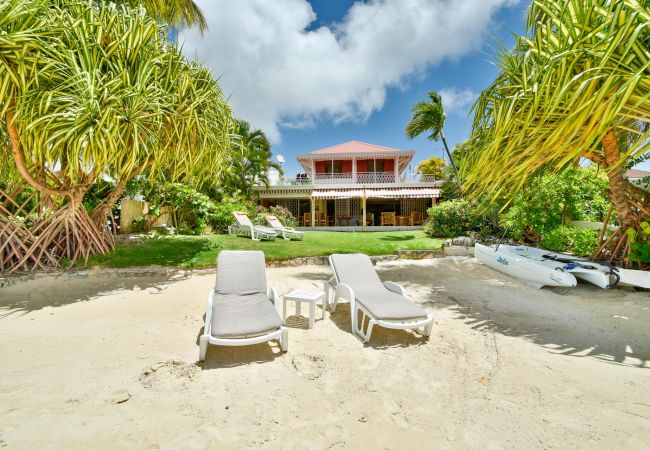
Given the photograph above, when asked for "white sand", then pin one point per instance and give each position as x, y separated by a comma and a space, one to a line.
506, 366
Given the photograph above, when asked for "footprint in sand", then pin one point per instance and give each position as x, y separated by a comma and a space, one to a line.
396, 412
167, 372
308, 366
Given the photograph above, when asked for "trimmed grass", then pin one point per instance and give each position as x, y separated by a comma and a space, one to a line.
202, 251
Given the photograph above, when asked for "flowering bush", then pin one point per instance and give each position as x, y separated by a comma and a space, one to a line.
451, 218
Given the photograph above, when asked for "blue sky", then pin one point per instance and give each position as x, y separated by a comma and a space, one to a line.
317, 73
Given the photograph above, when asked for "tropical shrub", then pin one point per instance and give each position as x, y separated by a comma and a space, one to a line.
451, 218
221, 217
139, 224
553, 199
639, 243
558, 239
191, 208
282, 213
585, 242
569, 239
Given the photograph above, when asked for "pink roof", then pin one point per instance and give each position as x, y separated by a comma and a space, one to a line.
356, 147
636, 173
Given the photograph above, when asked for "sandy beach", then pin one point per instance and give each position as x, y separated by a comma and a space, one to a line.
110, 362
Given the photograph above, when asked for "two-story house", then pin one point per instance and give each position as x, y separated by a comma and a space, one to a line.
345, 183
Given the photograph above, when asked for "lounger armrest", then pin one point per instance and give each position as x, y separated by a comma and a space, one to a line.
394, 287
208, 314
272, 294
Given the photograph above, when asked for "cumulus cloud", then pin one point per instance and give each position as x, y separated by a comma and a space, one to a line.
457, 101
279, 73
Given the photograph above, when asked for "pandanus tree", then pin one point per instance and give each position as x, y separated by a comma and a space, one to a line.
429, 117
97, 91
575, 88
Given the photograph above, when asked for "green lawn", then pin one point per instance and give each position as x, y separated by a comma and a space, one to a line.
202, 251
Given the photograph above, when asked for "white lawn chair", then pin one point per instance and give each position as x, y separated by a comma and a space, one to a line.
287, 232
244, 227
384, 303
241, 308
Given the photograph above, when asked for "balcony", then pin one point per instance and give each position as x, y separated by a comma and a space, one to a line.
324, 179
358, 178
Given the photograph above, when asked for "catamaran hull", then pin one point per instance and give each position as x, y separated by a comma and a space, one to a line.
529, 271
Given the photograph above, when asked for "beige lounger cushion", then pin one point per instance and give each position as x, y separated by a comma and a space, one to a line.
236, 316
241, 272
356, 271
241, 306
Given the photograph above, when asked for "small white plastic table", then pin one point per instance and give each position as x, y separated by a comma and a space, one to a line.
304, 296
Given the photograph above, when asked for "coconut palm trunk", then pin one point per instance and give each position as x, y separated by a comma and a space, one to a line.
451, 160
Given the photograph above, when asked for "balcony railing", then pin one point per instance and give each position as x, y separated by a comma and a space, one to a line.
358, 178
334, 178
348, 178
375, 177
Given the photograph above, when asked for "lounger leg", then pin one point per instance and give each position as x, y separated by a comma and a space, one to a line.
371, 323
427, 329
284, 339
312, 314
203, 347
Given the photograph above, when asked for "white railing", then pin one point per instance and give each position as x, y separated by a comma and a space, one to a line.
375, 177
425, 178
333, 178
360, 178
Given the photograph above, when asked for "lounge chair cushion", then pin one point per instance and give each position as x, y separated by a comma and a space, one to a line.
387, 305
237, 316
241, 272
357, 271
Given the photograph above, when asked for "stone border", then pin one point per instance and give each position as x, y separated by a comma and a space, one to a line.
157, 271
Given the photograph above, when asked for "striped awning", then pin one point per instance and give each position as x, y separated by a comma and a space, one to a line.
331, 194
409, 192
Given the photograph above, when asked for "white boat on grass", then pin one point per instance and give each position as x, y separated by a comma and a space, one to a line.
533, 271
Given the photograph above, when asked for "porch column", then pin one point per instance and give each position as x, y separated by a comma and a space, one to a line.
313, 212
354, 169
363, 211
313, 172
396, 168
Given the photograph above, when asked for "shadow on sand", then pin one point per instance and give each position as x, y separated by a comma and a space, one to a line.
23, 297
382, 338
609, 325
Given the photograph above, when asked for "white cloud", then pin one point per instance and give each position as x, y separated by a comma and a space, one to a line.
456, 101
280, 75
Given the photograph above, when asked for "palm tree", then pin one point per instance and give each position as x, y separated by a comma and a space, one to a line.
250, 159
577, 86
176, 13
430, 116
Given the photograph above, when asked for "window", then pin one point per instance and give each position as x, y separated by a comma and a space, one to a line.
338, 167
375, 166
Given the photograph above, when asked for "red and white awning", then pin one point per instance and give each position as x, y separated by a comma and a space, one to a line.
410, 192
331, 194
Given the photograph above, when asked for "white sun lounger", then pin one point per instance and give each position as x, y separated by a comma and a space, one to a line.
286, 232
384, 303
241, 308
244, 227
